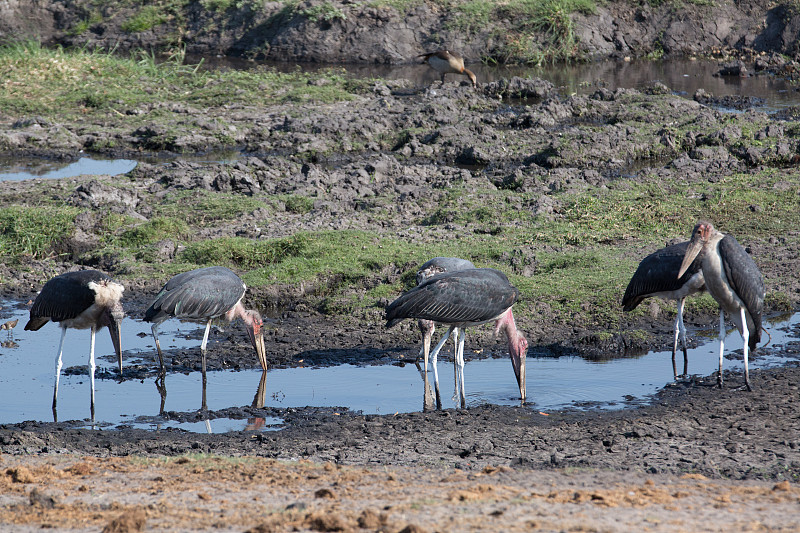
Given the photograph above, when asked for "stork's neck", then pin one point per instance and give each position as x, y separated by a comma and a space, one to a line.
237, 311
506, 323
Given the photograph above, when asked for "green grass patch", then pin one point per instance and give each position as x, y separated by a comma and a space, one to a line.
32, 231
207, 207
243, 253
298, 204
153, 230
148, 17
326, 11
56, 82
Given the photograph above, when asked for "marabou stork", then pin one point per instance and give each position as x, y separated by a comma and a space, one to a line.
461, 299
86, 299
447, 62
433, 267
733, 279
657, 276
206, 294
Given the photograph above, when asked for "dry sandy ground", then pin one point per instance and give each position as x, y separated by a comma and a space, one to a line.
75, 493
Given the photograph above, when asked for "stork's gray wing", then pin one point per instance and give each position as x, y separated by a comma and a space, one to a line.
198, 295
66, 296
474, 295
745, 279
658, 272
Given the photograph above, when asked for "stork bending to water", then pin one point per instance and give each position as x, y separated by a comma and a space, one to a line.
86, 299
431, 268
206, 294
462, 299
733, 279
657, 276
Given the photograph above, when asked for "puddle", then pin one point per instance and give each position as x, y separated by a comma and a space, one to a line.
26, 379
21, 169
26, 168
682, 75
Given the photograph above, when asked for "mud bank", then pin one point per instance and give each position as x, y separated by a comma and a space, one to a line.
363, 32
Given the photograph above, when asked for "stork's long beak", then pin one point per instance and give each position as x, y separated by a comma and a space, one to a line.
694, 249
257, 339
116, 340
518, 355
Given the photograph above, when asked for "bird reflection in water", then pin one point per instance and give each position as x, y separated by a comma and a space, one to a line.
259, 401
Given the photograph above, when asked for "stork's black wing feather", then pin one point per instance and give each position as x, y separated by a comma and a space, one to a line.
745, 279
197, 295
66, 296
473, 295
658, 272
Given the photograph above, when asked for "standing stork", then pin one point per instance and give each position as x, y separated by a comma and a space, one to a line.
657, 276
462, 299
447, 62
86, 299
433, 267
206, 294
733, 279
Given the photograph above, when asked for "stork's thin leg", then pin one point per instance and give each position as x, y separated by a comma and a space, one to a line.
427, 393
721, 344
154, 329
746, 338
204, 407
682, 327
426, 351
676, 332
91, 370
434, 358
161, 386
456, 368
58, 372
460, 351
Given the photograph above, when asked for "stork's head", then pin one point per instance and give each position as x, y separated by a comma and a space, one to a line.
517, 348
112, 317
701, 236
253, 324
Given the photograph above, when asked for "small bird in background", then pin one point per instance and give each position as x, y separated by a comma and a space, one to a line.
447, 62
9, 326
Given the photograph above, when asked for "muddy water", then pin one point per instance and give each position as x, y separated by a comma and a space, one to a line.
684, 76
27, 368
15, 169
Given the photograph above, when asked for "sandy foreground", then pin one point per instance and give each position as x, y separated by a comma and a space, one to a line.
201, 492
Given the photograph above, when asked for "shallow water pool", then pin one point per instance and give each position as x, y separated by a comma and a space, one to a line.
27, 367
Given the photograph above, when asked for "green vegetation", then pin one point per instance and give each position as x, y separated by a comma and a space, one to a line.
541, 30
243, 253
153, 230
32, 232
148, 17
325, 11
55, 82
298, 204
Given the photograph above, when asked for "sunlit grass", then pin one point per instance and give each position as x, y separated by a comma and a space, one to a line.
34, 79
32, 232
